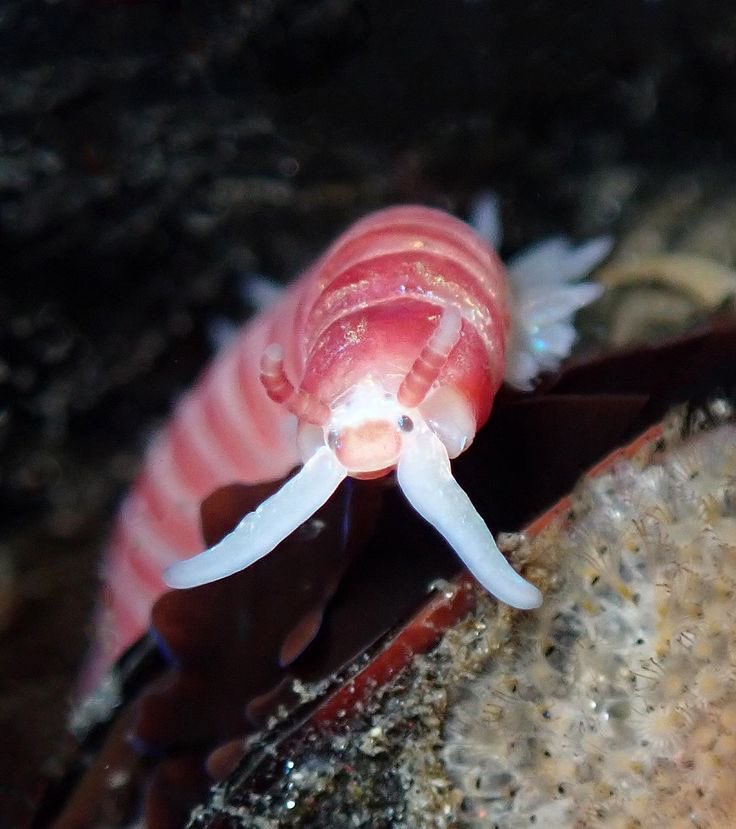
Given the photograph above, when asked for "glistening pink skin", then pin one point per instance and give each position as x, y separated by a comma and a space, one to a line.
386, 354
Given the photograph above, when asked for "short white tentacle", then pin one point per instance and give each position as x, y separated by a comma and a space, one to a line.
279, 388
261, 530
428, 365
425, 478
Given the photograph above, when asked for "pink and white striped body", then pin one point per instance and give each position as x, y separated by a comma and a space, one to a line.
361, 314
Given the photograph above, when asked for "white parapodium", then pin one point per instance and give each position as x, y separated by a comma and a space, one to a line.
614, 705
546, 293
545, 296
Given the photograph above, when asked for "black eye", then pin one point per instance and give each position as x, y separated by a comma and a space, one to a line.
406, 424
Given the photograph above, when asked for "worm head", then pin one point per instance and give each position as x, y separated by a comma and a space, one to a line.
367, 433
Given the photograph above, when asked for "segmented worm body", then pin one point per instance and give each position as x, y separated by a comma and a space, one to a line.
386, 354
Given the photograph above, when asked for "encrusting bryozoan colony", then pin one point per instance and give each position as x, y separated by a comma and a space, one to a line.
614, 705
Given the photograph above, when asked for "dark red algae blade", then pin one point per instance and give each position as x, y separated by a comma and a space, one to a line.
227, 640
223, 647
541, 443
99, 744
232, 632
